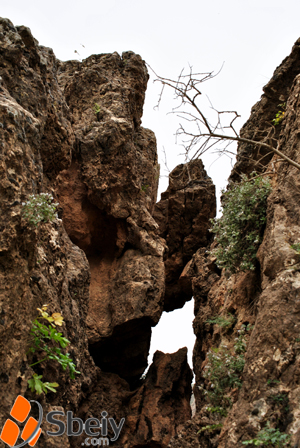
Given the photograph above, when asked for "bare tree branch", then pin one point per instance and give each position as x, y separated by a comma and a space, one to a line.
205, 135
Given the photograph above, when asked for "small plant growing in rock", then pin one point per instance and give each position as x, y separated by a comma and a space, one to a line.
38, 386
223, 370
217, 410
144, 188
222, 321
280, 115
210, 428
97, 110
281, 400
39, 208
272, 382
296, 247
47, 340
241, 344
239, 230
269, 437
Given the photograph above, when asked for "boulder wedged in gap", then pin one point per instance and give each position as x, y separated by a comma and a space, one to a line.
183, 215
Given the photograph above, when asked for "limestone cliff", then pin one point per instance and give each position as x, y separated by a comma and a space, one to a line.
183, 215
73, 130
267, 298
113, 260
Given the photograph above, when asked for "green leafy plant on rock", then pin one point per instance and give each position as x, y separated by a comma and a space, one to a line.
222, 321
39, 208
223, 370
272, 382
281, 400
47, 340
296, 247
145, 188
280, 115
239, 230
37, 385
97, 110
269, 437
217, 410
210, 428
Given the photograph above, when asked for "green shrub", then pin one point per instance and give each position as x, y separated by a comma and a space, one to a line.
280, 115
296, 247
38, 386
38, 208
239, 230
97, 108
47, 340
269, 437
222, 321
217, 410
223, 370
210, 428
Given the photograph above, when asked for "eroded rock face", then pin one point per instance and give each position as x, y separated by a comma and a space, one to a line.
108, 194
162, 403
276, 93
38, 265
183, 215
267, 298
273, 350
155, 410
73, 129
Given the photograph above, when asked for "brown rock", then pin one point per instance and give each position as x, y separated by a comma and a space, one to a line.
37, 265
276, 92
183, 215
273, 351
162, 403
102, 267
266, 298
107, 195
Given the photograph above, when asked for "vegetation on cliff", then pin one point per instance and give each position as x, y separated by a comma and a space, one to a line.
239, 230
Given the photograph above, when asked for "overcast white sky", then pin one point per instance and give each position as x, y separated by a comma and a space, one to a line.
251, 37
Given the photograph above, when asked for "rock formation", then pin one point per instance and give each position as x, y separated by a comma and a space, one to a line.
73, 130
113, 260
183, 215
266, 299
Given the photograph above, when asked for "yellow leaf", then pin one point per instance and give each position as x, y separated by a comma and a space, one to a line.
43, 313
58, 319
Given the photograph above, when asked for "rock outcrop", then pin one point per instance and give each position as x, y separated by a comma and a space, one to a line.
38, 265
73, 130
257, 128
162, 403
113, 260
107, 195
265, 300
183, 215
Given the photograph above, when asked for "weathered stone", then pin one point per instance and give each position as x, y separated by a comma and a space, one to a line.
183, 215
162, 403
107, 195
267, 298
273, 351
73, 129
37, 265
258, 127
